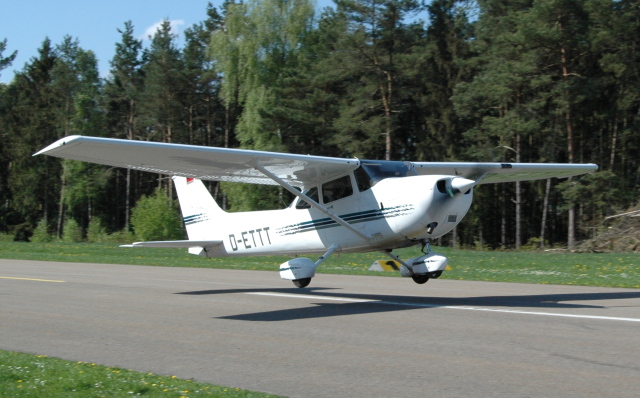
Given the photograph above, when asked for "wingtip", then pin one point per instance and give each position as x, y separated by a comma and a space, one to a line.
57, 144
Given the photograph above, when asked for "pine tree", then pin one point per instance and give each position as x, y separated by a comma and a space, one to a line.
442, 67
83, 183
164, 91
77, 87
32, 106
123, 91
559, 30
204, 112
164, 86
503, 94
5, 62
370, 53
613, 33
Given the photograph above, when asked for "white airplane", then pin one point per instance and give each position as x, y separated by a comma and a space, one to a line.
341, 205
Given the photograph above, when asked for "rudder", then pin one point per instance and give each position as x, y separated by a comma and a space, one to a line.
199, 210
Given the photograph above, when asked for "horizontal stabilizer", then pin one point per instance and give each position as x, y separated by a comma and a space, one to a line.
176, 243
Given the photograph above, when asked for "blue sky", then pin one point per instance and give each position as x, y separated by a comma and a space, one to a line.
26, 23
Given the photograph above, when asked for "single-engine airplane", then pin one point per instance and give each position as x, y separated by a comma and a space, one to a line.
341, 205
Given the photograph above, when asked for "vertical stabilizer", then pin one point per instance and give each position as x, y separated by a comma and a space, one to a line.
200, 211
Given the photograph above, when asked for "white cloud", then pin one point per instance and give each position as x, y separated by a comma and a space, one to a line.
151, 30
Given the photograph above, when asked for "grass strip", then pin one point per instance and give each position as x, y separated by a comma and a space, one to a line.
561, 268
26, 375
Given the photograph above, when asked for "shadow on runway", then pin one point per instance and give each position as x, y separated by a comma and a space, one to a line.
373, 303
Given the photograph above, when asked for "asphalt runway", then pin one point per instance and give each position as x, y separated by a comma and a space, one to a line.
344, 336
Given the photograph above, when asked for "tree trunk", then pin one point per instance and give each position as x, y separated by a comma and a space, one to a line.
614, 138
635, 187
385, 94
503, 219
571, 235
169, 181
518, 199
454, 237
127, 200
518, 215
545, 211
127, 195
386, 101
61, 208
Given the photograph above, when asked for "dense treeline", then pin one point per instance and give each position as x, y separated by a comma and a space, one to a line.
491, 80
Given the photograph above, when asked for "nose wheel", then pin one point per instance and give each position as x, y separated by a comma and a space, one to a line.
304, 282
421, 269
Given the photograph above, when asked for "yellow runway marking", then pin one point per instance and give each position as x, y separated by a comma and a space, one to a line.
31, 279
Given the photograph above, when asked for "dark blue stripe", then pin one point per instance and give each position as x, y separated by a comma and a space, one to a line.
196, 218
354, 218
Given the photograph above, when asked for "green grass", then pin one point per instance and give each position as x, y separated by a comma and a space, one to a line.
26, 375
587, 269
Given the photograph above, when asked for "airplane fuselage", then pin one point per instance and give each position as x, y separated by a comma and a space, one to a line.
396, 212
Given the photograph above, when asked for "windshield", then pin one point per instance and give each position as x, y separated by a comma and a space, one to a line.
378, 170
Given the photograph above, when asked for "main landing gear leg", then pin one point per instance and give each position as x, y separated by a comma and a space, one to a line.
304, 282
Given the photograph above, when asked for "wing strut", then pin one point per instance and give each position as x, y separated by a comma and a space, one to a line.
307, 199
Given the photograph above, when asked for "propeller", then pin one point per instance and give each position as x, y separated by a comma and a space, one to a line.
462, 185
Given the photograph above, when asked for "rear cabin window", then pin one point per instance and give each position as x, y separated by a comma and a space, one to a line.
337, 189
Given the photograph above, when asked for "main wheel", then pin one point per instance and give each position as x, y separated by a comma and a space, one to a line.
420, 279
302, 282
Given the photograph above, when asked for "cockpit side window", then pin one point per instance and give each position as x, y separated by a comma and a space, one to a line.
313, 194
337, 189
363, 181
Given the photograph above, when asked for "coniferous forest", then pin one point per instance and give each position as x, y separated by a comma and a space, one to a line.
445, 80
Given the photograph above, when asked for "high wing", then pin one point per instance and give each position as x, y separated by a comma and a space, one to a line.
248, 166
204, 163
485, 173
